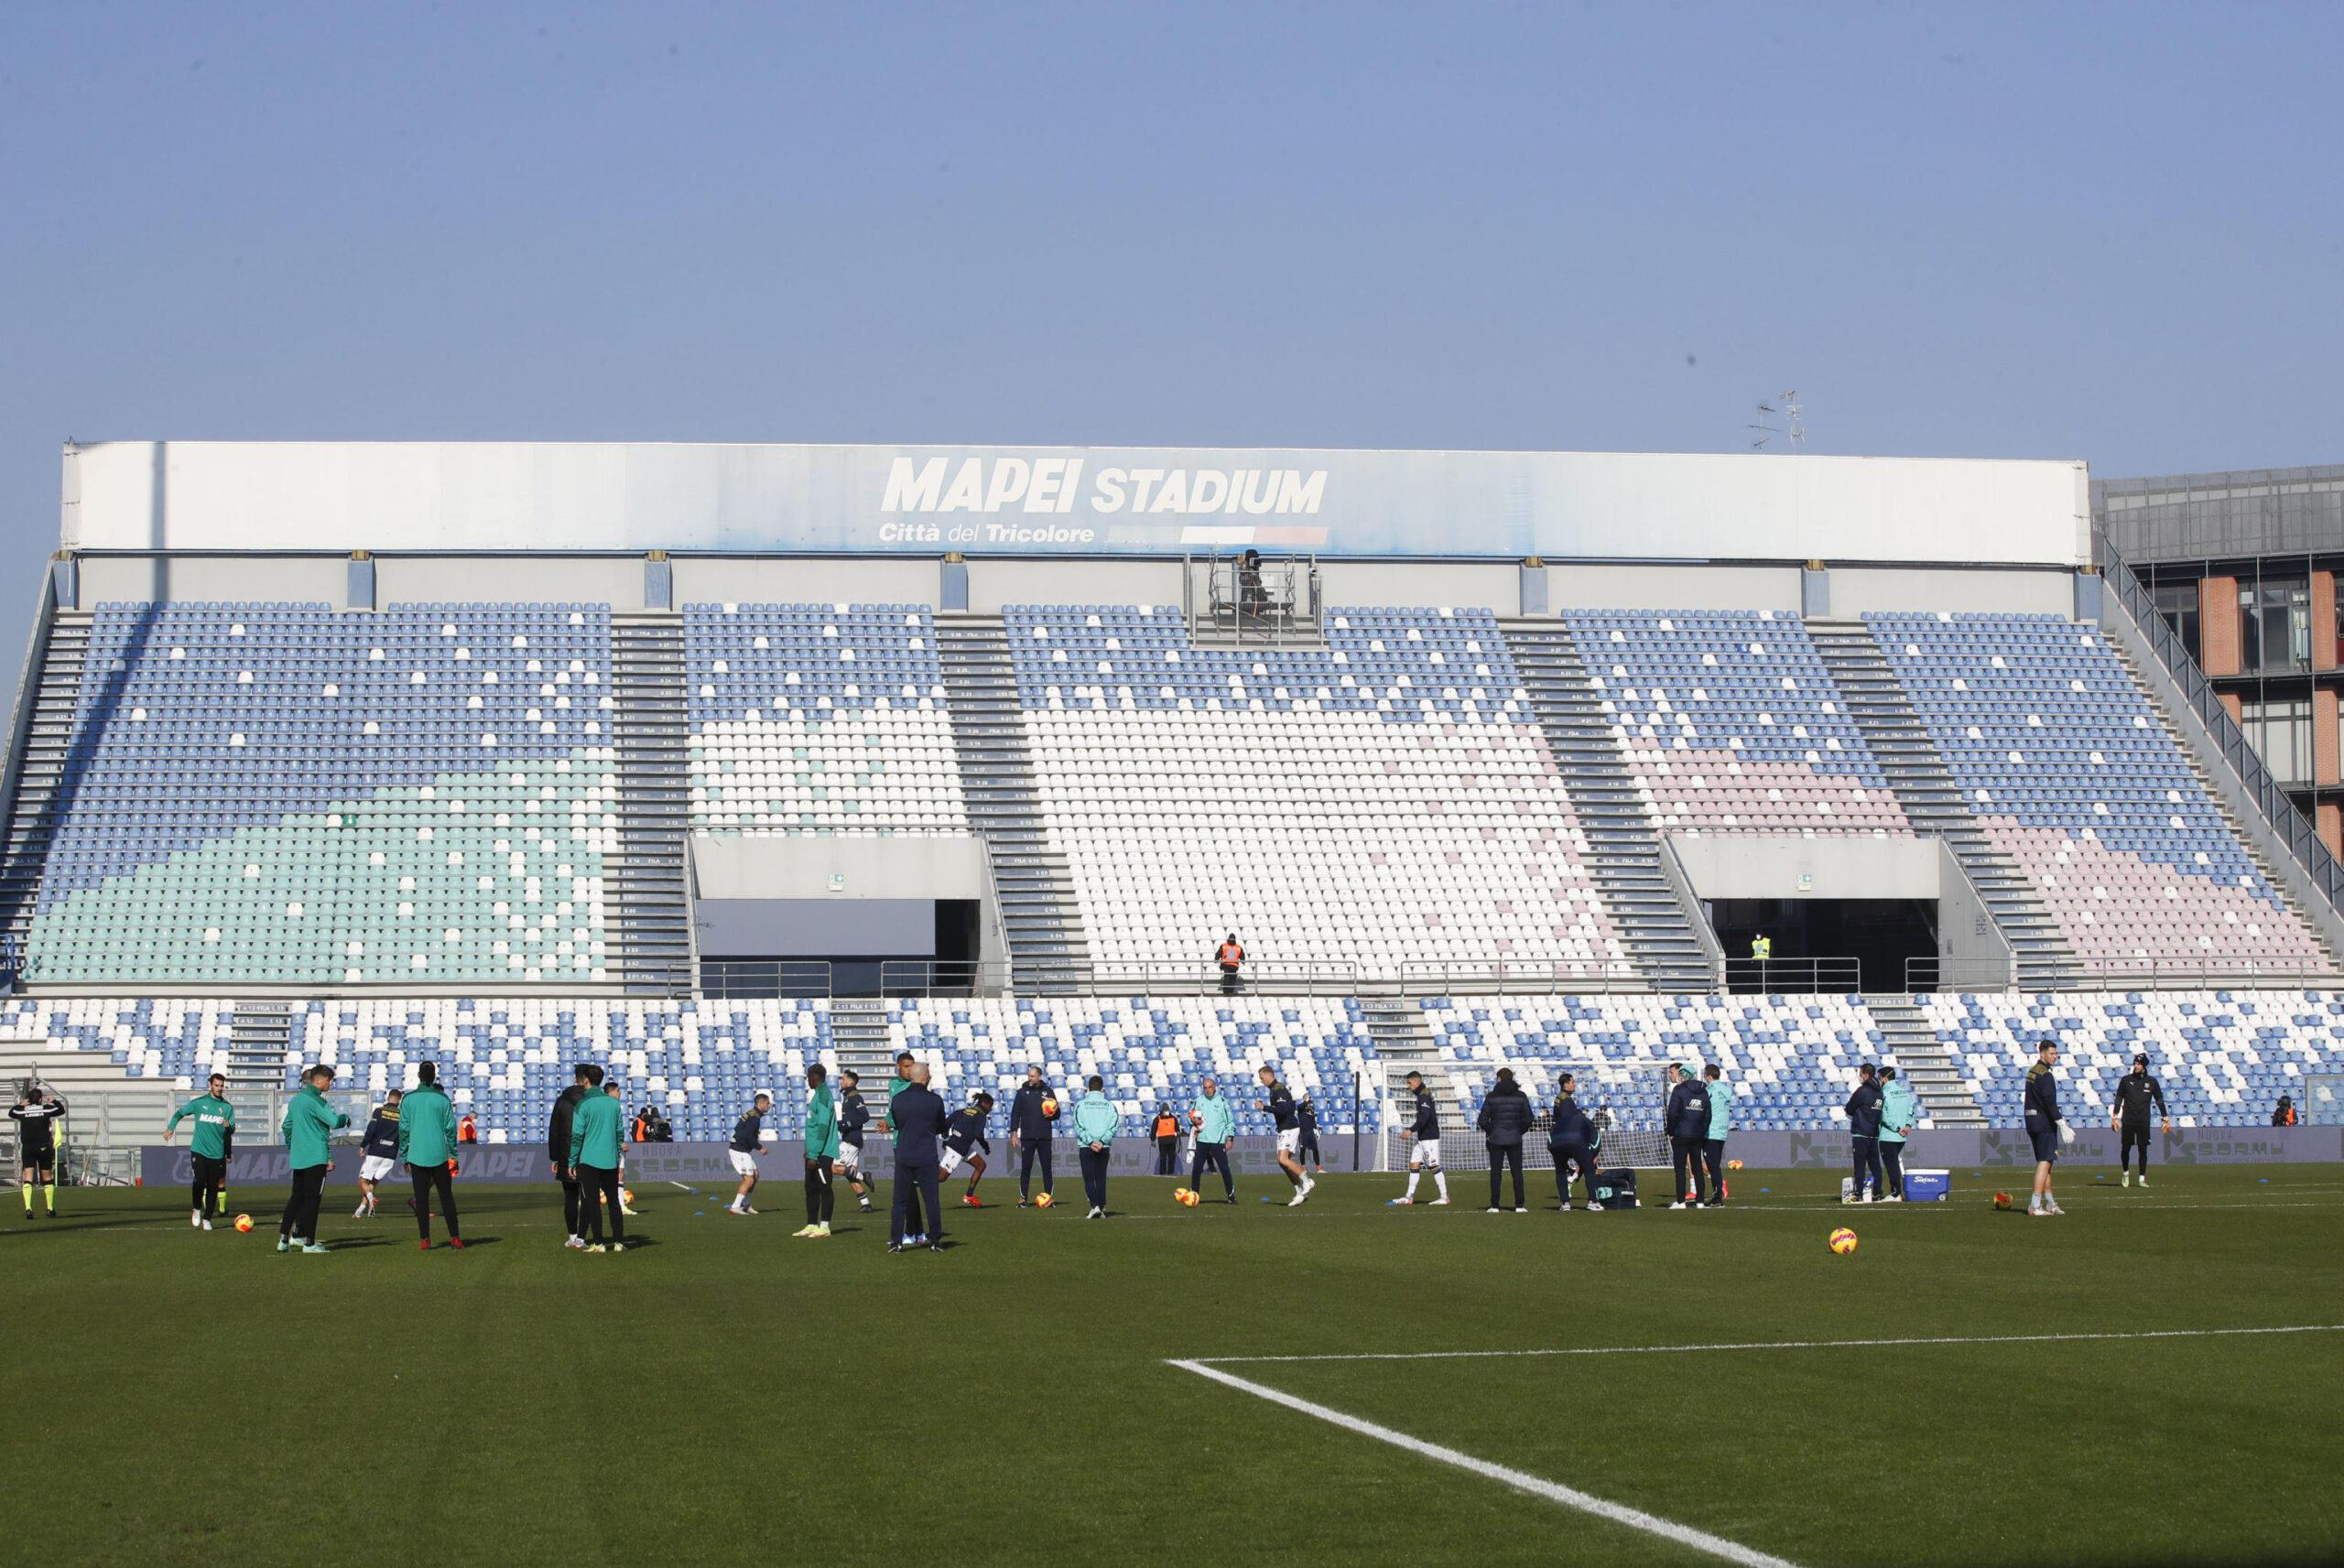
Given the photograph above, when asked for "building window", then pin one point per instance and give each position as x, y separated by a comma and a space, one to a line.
2280, 733
2178, 603
2274, 630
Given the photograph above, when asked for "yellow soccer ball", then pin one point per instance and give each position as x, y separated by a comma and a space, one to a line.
243, 1222
1843, 1241
1050, 1108
1733, 1164
1194, 1197
1179, 1195
1044, 1201
627, 1196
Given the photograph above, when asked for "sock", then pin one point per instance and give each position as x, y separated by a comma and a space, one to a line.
28, 1198
49, 1196
1440, 1180
1412, 1185
224, 1200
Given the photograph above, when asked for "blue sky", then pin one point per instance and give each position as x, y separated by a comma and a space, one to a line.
2112, 233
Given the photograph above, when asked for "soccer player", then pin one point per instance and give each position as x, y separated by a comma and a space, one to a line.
1720, 1124
37, 1114
378, 1152
427, 1150
1899, 1111
905, 1062
1689, 1127
1864, 1134
597, 1134
2043, 1126
1305, 1116
821, 1149
565, 1110
612, 1088
853, 1116
1030, 1131
748, 1141
1572, 1137
1214, 1122
1096, 1123
1279, 1103
207, 1146
309, 1125
1423, 1135
964, 1134
2135, 1092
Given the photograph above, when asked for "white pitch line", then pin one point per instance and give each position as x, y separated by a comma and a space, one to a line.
1200, 1362
1521, 1481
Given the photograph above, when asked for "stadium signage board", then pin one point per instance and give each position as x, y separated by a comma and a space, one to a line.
460, 497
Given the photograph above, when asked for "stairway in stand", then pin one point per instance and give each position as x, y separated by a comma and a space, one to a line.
860, 1040
1933, 803
1929, 1069
1624, 850
32, 817
645, 897
260, 1035
1048, 949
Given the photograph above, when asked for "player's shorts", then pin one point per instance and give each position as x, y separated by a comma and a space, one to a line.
850, 1157
743, 1165
375, 1167
951, 1160
1426, 1152
41, 1158
2046, 1143
1289, 1140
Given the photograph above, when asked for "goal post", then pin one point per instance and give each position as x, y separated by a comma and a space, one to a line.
1628, 1101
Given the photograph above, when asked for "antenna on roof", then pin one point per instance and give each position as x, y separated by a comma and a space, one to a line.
1783, 407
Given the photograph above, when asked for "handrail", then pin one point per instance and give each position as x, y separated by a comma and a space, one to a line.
1440, 977
2293, 828
1821, 975
2181, 972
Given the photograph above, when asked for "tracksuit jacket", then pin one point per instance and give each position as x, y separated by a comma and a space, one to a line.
309, 1125
214, 1119
427, 1127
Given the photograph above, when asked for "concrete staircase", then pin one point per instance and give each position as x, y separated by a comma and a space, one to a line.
1624, 850
1049, 948
1926, 1065
259, 1035
1405, 1041
32, 816
1933, 803
648, 900
858, 1038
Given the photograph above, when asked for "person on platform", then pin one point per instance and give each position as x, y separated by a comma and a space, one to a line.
207, 1146
1231, 958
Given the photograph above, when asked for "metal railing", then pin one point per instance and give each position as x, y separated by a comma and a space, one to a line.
2188, 972
2292, 829
1798, 976
921, 977
1439, 977
1272, 599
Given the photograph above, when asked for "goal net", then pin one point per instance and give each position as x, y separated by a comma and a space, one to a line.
1627, 1100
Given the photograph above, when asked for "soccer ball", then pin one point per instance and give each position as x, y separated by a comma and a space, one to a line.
1050, 1108
1194, 1198
1733, 1164
1843, 1241
627, 1196
1179, 1195
243, 1222
2001, 1200
1044, 1201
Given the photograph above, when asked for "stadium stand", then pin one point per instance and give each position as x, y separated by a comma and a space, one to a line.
820, 718
2073, 776
1390, 798
1730, 723
2223, 1057
278, 794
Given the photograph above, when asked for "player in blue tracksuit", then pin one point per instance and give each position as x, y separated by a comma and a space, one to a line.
1864, 1134
1278, 1101
2041, 1103
853, 1116
1689, 1129
964, 1134
1030, 1131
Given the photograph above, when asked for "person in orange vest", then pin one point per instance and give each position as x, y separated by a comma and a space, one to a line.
642, 1131
467, 1131
1228, 956
2285, 1115
1166, 1133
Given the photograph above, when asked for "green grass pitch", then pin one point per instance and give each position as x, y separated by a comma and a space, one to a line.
727, 1393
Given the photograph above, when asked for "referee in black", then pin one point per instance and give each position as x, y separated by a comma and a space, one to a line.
2135, 1092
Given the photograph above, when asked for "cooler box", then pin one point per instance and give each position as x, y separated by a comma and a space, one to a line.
1616, 1189
1928, 1187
